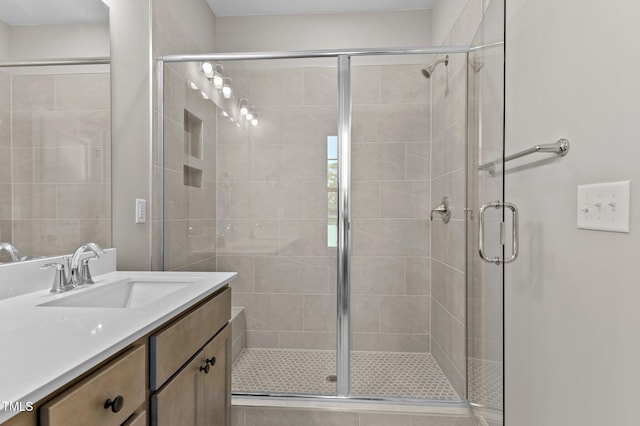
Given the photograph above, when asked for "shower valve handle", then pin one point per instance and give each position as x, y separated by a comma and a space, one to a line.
444, 209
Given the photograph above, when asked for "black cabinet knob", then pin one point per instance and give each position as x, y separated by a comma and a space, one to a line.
205, 368
116, 404
211, 361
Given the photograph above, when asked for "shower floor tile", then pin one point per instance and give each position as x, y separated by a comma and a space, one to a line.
485, 383
379, 374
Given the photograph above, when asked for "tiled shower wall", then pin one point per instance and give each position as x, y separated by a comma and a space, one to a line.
6, 232
60, 170
390, 208
448, 285
189, 205
272, 208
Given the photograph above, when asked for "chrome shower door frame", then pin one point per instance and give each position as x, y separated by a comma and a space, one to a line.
343, 57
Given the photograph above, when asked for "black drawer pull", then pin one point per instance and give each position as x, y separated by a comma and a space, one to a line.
205, 368
212, 361
116, 405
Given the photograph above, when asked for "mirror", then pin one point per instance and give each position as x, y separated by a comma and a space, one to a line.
55, 127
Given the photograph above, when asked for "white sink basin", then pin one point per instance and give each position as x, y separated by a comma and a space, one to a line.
128, 293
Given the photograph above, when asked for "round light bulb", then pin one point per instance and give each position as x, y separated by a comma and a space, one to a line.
226, 92
254, 121
243, 110
218, 81
207, 69
249, 116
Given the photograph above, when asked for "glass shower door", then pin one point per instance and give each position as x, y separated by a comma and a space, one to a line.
276, 222
489, 220
400, 315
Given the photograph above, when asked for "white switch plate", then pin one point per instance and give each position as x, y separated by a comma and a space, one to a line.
604, 206
141, 210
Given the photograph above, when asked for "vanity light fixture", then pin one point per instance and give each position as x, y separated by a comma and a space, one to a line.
243, 106
226, 88
207, 69
249, 115
218, 77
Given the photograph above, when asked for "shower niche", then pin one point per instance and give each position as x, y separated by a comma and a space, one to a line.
193, 146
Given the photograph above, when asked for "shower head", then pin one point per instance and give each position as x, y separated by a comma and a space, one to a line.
427, 71
476, 66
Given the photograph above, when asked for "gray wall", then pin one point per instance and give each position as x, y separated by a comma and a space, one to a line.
131, 123
443, 16
571, 300
59, 41
307, 32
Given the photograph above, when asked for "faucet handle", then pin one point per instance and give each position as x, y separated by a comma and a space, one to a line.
60, 281
85, 273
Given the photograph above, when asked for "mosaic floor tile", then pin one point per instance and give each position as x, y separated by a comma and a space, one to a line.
485, 383
378, 374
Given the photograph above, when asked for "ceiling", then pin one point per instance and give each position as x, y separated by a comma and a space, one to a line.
294, 7
48, 12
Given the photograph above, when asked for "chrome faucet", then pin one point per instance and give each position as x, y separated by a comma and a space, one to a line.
61, 282
79, 268
13, 252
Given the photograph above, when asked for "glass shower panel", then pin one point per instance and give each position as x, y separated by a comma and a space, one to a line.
276, 221
391, 198
189, 197
485, 281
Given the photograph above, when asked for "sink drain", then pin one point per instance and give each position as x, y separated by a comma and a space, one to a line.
332, 378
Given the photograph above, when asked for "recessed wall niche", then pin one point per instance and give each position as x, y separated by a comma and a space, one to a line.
193, 140
192, 176
192, 135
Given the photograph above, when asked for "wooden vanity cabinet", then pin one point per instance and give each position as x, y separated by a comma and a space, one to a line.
198, 391
188, 381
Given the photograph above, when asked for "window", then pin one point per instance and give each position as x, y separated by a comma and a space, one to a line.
332, 191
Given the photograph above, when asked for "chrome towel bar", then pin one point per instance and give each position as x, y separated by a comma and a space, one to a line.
560, 148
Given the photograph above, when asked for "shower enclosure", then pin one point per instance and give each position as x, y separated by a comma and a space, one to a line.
314, 175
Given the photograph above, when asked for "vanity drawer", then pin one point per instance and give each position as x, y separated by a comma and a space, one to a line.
176, 344
122, 380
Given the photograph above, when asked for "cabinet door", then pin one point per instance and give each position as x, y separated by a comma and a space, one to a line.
217, 383
179, 401
200, 394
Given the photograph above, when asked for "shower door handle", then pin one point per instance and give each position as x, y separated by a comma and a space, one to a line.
514, 233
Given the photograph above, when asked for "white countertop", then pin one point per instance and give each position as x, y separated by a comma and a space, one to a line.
43, 348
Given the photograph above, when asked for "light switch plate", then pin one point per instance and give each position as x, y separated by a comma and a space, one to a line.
604, 206
141, 210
